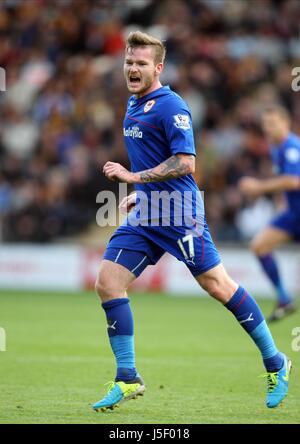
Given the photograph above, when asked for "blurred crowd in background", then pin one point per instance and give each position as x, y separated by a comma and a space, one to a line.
61, 115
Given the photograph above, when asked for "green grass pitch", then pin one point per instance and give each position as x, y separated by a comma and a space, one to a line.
198, 364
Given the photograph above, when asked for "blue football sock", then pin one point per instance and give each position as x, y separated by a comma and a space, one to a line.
249, 315
120, 330
270, 267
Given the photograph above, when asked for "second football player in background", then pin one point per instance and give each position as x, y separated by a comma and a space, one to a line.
285, 227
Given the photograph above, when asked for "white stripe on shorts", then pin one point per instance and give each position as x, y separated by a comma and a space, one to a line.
119, 254
139, 264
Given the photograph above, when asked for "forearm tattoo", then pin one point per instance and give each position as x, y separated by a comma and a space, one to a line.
170, 169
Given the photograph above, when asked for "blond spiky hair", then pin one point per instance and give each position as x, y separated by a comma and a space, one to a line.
138, 38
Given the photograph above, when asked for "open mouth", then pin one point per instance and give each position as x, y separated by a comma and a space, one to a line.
134, 80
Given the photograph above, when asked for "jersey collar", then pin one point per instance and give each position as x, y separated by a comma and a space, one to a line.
158, 92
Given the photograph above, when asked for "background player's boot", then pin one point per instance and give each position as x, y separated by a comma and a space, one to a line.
278, 384
281, 311
119, 392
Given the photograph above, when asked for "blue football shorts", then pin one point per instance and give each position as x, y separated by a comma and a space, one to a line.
288, 221
137, 247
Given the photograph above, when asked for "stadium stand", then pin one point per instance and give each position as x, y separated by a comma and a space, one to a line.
61, 115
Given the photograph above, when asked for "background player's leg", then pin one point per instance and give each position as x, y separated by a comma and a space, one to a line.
219, 285
112, 282
263, 245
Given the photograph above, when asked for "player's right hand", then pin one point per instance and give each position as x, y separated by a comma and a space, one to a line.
128, 203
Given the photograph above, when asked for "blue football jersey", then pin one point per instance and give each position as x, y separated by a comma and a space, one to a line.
156, 127
286, 159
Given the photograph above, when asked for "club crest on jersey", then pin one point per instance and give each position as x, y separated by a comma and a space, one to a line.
182, 121
149, 105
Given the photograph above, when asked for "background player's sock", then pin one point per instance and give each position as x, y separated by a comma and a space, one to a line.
120, 331
249, 315
270, 267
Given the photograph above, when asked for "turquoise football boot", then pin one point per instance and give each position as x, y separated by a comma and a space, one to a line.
119, 392
278, 384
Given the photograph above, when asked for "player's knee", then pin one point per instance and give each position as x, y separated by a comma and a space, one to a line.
220, 288
98, 287
104, 288
257, 247
212, 286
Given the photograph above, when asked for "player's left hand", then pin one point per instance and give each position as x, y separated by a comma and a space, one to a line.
116, 172
250, 186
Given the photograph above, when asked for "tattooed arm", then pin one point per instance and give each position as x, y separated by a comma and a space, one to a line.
176, 166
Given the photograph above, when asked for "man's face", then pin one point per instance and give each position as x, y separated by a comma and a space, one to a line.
275, 126
140, 70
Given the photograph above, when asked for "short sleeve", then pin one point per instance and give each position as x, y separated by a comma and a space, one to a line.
177, 123
292, 161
